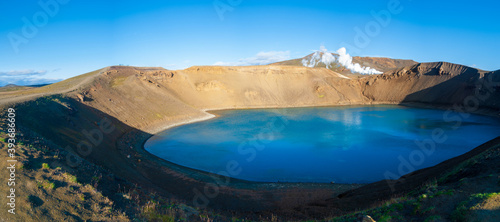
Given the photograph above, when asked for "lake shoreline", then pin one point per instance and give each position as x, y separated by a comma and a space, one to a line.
314, 176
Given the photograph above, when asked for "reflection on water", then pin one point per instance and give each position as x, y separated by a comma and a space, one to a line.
342, 144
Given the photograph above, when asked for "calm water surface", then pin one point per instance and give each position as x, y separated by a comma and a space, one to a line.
340, 144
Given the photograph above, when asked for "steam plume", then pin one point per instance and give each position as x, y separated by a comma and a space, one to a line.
346, 60
342, 58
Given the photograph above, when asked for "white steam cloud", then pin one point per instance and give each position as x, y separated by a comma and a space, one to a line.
322, 56
346, 60
342, 58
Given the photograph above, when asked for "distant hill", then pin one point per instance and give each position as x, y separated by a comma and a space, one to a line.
14, 87
9, 86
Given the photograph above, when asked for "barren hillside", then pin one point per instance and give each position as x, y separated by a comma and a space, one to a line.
438, 83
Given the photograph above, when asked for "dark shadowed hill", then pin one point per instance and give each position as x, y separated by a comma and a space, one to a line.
437, 83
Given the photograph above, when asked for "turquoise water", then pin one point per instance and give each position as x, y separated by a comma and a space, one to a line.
325, 144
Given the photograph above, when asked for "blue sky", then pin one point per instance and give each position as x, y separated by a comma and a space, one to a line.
73, 37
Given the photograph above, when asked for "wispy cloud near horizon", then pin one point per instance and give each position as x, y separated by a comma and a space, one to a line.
25, 77
262, 58
27, 72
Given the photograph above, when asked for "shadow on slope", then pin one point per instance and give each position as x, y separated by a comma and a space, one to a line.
470, 89
88, 136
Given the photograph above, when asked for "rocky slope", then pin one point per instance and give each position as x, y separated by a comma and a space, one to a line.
436, 83
383, 64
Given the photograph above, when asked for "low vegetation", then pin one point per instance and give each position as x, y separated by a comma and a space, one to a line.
453, 198
45, 166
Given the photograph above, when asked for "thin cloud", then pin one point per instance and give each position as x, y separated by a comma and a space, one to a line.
27, 72
262, 58
25, 77
27, 81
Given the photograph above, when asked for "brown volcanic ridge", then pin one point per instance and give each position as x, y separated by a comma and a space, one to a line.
137, 102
